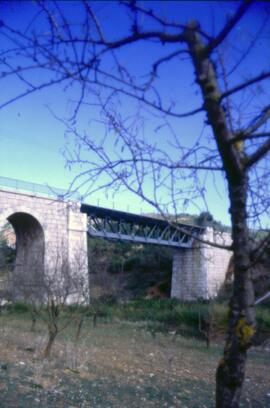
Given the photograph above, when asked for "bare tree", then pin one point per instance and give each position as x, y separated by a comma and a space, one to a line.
56, 297
169, 170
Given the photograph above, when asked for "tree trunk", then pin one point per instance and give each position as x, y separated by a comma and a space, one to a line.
95, 320
33, 322
231, 369
242, 323
53, 331
79, 329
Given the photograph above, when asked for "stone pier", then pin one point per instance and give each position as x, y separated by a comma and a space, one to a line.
199, 272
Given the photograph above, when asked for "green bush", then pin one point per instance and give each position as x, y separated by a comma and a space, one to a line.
263, 316
185, 317
177, 314
18, 307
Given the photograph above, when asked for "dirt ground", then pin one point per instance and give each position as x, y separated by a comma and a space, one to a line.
116, 365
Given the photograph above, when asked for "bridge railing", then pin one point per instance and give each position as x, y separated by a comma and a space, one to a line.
49, 191
35, 188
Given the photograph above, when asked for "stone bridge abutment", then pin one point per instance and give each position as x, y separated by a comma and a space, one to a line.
51, 241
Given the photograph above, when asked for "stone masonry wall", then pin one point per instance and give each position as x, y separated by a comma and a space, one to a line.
63, 225
216, 260
189, 280
200, 271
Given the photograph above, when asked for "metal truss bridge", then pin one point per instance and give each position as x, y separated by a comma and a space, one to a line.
120, 225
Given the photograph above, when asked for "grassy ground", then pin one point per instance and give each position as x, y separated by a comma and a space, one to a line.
117, 364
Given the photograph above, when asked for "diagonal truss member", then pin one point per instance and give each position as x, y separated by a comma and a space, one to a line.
119, 225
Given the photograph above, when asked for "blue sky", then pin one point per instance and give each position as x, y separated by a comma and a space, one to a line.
32, 140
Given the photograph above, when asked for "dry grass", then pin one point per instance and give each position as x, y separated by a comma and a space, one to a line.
115, 365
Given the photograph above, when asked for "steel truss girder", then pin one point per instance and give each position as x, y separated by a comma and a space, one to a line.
118, 225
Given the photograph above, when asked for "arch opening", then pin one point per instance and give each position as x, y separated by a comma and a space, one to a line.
28, 269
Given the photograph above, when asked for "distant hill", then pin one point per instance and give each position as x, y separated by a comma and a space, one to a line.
204, 219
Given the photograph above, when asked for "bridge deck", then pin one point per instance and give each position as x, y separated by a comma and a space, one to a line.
120, 225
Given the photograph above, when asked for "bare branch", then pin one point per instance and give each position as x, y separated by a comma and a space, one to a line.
164, 37
32, 90
258, 121
241, 136
262, 298
94, 18
229, 26
166, 59
250, 46
258, 154
245, 84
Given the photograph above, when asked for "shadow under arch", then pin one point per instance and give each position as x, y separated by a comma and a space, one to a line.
28, 271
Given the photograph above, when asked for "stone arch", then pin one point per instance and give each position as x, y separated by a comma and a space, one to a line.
28, 272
